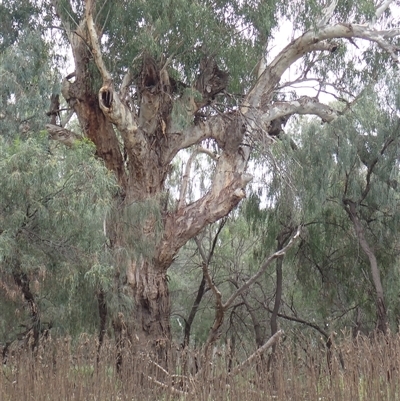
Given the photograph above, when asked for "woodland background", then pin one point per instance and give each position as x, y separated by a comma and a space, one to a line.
107, 255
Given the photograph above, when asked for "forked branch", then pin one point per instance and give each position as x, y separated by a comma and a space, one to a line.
312, 40
110, 103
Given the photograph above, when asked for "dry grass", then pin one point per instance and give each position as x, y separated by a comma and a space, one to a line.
364, 369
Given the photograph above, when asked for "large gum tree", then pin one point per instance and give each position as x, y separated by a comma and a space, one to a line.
149, 79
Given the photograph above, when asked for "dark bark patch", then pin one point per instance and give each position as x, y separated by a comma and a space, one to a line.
106, 98
211, 80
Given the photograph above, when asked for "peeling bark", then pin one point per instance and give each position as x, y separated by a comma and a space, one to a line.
153, 305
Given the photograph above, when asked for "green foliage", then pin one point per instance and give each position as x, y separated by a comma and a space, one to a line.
337, 162
142, 228
186, 30
16, 16
54, 203
52, 207
27, 82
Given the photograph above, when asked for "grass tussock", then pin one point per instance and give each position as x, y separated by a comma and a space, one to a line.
361, 369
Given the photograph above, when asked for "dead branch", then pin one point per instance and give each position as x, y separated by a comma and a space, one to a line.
256, 354
168, 387
185, 178
248, 283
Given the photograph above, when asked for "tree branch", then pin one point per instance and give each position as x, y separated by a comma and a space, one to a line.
256, 354
214, 127
219, 312
186, 176
222, 307
371, 165
110, 103
327, 13
185, 179
382, 8
308, 42
94, 41
248, 283
351, 210
302, 321
227, 190
63, 135
303, 105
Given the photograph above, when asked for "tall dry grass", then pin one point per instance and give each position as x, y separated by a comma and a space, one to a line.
362, 369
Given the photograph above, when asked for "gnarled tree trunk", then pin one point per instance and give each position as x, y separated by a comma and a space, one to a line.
141, 166
138, 137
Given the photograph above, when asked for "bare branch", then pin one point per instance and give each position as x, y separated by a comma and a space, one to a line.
185, 178
262, 65
209, 153
303, 105
127, 80
302, 321
168, 387
382, 8
248, 283
202, 287
65, 120
327, 13
222, 307
309, 42
214, 127
219, 311
256, 354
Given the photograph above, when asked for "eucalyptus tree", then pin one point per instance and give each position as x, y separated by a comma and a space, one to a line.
150, 78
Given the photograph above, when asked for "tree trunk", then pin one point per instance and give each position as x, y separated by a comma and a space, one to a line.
282, 239
140, 156
193, 311
381, 313
278, 296
102, 307
152, 304
23, 283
